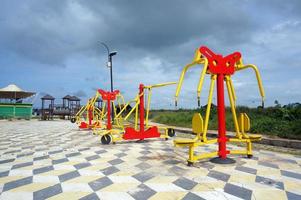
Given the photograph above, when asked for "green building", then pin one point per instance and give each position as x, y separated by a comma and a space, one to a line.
11, 103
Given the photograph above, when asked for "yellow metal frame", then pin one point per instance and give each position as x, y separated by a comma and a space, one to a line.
120, 120
242, 125
83, 115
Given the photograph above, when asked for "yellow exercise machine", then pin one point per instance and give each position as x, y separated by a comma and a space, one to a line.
124, 131
220, 70
91, 116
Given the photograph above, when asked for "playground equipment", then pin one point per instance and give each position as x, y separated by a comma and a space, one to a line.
220, 69
90, 116
123, 131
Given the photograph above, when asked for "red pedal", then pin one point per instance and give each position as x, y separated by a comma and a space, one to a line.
83, 125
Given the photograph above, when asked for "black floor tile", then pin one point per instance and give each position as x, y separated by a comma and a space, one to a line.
40, 158
237, 191
268, 164
92, 196
191, 196
22, 165
293, 196
17, 183
116, 161
110, 170
73, 154
43, 169
68, 176
142, 193
185, 183
47, 192
143, 166
219, 175
143, 176
290, 174
100, 183
82, 165
246, 169
58, 161
269, 182
94, 157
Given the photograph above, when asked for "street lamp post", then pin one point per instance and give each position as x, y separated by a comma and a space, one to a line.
110, 65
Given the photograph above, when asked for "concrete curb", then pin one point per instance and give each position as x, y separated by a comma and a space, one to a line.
279, 142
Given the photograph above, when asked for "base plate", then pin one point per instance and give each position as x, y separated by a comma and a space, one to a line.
141, 141
219, 160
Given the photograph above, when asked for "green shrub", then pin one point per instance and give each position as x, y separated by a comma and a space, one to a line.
278, 121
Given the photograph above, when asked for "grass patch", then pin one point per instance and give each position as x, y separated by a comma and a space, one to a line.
277, 121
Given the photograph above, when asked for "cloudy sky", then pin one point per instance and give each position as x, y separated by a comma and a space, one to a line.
52, 46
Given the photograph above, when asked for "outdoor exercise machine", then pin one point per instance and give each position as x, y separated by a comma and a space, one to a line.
125, 131
220, 69
91, 116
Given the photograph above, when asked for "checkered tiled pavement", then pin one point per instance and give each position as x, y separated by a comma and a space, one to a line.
55, 160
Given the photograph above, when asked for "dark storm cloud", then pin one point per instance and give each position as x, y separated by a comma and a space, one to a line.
154, 39
159, 24
50, 32
80, 93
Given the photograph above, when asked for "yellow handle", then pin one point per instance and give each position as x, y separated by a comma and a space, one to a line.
258, 77
196, 60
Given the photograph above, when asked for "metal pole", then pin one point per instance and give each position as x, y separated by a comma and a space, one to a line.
111, 72
141, 107
111, 75
222, 139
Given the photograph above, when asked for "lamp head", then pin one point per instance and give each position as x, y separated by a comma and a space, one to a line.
112, 53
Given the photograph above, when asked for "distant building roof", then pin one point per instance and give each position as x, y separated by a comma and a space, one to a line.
47, 97
14, 92
67, 97
74, 98
11, 88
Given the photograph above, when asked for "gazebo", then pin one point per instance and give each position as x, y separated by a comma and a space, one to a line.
47, 113
74, 104
66, 101
99, 102
11, 105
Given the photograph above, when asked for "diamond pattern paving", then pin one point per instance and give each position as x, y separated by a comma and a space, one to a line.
53, 160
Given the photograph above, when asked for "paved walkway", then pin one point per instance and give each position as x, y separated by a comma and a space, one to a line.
54, 160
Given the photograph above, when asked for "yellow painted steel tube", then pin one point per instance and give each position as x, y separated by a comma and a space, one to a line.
114, 108
103, 109
201, 81
159, 85
233, 92
149, 96
136, 117
123, 109
182, 77
258, 77
240, 152
206, 155
238, 140
238, 134
212, 83
127, 116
